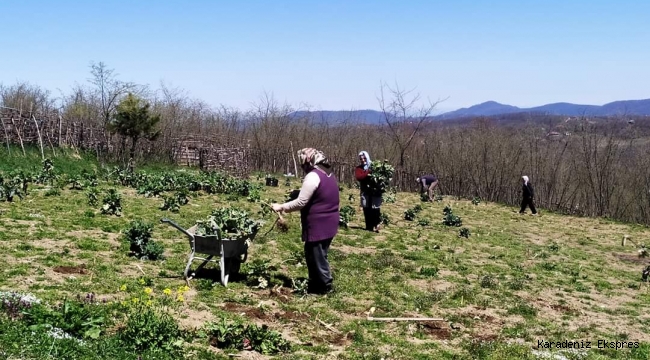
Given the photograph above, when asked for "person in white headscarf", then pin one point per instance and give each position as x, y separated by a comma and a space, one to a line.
370, 202
528, 195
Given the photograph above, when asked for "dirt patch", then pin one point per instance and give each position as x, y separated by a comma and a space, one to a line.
438, 329
195, 318
253, 313
633, 258
291, 316
340, 339
283, 294
79, 269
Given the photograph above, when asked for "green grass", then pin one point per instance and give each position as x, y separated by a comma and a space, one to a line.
516, 280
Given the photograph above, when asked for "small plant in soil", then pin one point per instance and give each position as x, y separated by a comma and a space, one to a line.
112, 203
409, 215
464, 233
345, 215
140, 244
476, 200
93, 196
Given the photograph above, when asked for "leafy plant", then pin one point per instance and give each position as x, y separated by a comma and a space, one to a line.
112, 203
345, 215
170, 203
381, 175
385, 219
409, 215
450, 219
149, 328
476, 200
232, 222
79, 319
464, 232
258, 272
438, 198
423, 222
140, 244
93, 196
429, 271
235, 335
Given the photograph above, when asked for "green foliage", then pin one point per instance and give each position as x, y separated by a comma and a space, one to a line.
409, 215
232, 222
429, 271
133, 120
258, 272
81, 319
381, 175
423, 222
227, 334
450, 219
346, 213
140, 244
150, 328
112, 203
476, 200
385, 219
93, 196
464, 232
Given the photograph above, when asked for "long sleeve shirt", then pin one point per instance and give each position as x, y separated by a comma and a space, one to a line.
309, 186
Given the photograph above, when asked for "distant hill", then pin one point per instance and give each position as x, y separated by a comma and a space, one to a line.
625, 107
490, 108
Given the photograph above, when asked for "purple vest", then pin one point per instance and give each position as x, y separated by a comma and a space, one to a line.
320, 217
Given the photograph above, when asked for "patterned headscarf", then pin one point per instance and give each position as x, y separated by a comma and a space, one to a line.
312, 157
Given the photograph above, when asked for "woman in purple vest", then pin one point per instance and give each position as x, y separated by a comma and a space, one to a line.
318, 203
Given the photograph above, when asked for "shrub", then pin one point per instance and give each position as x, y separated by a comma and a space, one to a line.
141, 245
147, 328
345, 215
112, 203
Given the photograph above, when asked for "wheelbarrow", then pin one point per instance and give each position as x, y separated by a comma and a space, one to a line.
231, 252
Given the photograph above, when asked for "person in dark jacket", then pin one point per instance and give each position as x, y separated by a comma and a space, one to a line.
528, 195
318, 202
370, 202
428, 182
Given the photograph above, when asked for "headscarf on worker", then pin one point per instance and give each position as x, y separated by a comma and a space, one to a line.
368, 161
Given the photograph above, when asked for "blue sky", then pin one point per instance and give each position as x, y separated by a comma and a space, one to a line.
334, 54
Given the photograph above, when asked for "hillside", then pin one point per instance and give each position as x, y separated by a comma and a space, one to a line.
515, 280
493, 108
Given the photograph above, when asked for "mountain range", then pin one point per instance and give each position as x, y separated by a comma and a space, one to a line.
493, 108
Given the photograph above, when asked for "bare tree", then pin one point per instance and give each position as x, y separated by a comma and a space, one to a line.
109, 89
403, 116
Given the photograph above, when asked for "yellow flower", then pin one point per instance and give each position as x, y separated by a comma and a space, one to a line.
123, 287
141, 281
148, 291
123, 303
183, 289
180, 298
167, 291
148, 303
135, 300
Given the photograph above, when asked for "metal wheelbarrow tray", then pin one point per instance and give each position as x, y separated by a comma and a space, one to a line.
231, 252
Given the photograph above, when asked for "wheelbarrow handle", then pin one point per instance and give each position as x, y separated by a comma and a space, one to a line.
168, 221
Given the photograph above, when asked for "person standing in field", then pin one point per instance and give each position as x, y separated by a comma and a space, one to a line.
318, 202
428, 182
370, 202
528, 194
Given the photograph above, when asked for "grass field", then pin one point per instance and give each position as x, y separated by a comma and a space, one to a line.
515, 281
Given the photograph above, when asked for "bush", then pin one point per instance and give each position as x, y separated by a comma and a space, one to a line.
235, 335
148, 328
345, 215
140, 243
112, 203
